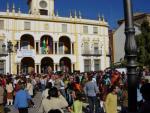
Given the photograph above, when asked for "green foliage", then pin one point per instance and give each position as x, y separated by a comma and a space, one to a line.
143, 45
120, 64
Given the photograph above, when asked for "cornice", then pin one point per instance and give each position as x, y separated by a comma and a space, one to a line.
56, 19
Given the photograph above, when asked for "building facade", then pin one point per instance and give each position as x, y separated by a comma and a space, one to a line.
119, 35
45, 41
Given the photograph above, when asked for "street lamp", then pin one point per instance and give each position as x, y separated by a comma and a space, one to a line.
131, 53
8, 51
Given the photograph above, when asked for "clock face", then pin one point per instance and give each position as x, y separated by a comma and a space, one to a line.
43, 4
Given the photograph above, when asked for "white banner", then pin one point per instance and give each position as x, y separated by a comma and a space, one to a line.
25, 53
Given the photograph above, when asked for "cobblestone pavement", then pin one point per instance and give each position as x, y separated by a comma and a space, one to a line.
37, 101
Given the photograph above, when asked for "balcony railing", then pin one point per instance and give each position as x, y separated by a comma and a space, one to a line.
25, 53
91, 53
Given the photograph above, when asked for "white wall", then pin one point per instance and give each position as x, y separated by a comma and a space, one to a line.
119, 42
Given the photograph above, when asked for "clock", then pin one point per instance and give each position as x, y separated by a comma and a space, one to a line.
43, 4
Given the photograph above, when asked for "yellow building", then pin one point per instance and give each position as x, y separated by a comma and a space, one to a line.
46, 41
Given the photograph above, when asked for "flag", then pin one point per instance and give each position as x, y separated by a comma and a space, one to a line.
66, 49
47, 46
44, 46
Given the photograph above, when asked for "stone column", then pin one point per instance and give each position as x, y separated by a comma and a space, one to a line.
54, 47
19, 46
57, 47
54, 69
71, 47
58, 67
72, 67
35, 46
19, 68
39, 48
35, 68
39, 68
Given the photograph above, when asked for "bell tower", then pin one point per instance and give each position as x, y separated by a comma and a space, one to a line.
42, 7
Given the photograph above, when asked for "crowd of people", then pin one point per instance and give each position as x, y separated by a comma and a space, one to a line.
92, 92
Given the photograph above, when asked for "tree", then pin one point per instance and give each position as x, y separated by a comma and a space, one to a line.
143, 45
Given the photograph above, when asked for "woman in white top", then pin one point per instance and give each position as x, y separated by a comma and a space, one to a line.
54, 101
29, 87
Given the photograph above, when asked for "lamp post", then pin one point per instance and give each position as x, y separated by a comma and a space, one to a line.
8, 51
130, 53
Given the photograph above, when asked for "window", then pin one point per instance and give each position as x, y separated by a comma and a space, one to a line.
1, 24
86, 48
27, 25
87, 65
85, 29
96, 50
95, 30
64, 28
43, 12
96, 64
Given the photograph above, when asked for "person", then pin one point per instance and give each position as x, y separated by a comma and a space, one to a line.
45, 92
124, 97
145, 90
29, 87
22, 98
43, 83
91, 90
1, 98
77, 104
54, 101
111, 100
9, 89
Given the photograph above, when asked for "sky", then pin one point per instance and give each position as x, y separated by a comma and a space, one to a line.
90, 9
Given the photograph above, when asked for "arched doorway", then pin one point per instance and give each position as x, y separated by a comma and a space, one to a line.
27, 42
47, 64
46, 44
65, 64
27, 65
64, 45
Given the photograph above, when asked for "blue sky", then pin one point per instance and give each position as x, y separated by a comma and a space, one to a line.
111, 9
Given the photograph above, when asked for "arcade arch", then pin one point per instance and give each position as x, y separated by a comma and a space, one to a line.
64, 45
65, 64
47, 65
27, 65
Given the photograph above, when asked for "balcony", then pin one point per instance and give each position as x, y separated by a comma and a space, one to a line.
25, 53
91, 53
